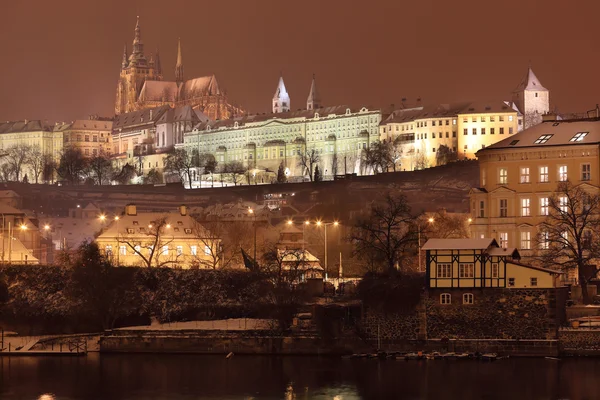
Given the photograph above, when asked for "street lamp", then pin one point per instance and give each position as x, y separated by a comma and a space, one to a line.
325, 225
430, 220
251, 212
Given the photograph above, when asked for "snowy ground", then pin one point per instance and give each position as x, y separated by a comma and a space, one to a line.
239, 324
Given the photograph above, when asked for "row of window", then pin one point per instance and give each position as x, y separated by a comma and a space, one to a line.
421, 136
525, 205
137, 250
492, 131
543, 174
465, 270
492, 119
446, 298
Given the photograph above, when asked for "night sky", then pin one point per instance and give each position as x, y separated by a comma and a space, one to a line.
61, 58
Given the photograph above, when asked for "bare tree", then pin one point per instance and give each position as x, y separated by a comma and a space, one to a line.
307, 160
36, 161
182, 163
16, 158
72, 165
209, 234
387, 235
421, 161
569, 238
235, 169
285, 268
445, 225
150, 244
100, 169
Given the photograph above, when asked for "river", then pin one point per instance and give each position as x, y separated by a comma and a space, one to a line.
149, 376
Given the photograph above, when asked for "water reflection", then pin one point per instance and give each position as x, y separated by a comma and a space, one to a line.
167, 377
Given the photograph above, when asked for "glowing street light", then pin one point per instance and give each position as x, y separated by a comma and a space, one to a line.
23, 227
46, 227
102, 217
290, 222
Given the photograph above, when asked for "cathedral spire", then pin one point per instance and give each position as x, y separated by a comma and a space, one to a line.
179, 64
314, 99
138, 45
281, 99
124, 61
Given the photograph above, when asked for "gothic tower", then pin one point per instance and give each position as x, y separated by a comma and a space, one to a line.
314, 100
281, 99
135, 70
532, 99
179, 65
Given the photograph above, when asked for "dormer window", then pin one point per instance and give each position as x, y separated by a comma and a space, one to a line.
578, 137
543, 139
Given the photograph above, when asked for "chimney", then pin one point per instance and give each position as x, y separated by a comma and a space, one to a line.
151, 114
130, 209
26, 122
183, 210
549, 117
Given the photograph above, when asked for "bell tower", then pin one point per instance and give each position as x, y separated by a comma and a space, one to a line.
532, 99
281, 99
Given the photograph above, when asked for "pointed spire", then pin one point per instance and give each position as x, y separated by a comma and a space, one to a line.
179, 64
124, 62
314, 99
530, 82
138, 45
281, 99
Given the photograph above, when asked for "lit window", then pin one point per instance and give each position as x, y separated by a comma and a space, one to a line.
468, 298
526, 240
525, 208
445, 298
108, 250
466, 270
511, 282
123, 250
543, 174
444, 270
524, 174
544, 204
194, 250
510, 118
563, 202
207, 251
137, 251
543, 139
586, 172
179, 250
562, 173
578, 137
533, 281
165, 250
503, 176
494, 270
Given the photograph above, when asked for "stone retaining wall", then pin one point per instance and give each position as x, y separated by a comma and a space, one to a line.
579, 341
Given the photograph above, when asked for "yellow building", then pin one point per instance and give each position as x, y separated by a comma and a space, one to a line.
35, 134
518, 175
480, 263
152, 239
92, 136
464, 128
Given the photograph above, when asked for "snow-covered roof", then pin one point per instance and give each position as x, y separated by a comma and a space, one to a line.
530, 82
459, 244
552, 133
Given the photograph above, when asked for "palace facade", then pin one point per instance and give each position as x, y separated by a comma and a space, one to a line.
141, 86
337, 134
463, 128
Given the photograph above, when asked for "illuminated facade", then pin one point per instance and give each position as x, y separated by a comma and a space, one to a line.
92, 136
262, 142
464, 128
519, 174
141, 86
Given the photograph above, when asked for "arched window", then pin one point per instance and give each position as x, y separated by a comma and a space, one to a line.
468, 298
445, 298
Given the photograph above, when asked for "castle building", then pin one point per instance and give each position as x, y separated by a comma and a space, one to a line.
338, 135
141, 86
420, 133
463, 128
92, 136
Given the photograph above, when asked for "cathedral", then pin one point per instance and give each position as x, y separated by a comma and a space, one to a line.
141, 86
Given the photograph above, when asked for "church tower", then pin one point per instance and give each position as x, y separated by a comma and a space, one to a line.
179, 65
314, 100
135, 70
532, 99
281, 99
